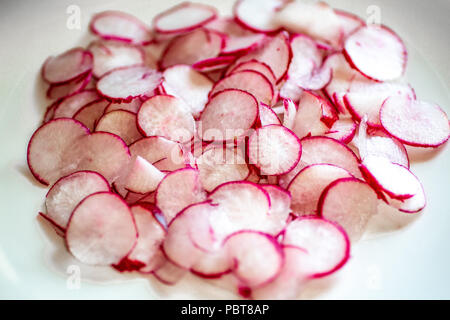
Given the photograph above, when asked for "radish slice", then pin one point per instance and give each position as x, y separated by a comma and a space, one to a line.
280, 206
241, 247
167, 272
212, 265
48, 145
189, 85
274, 149
309, 184
115, 25
258, 15
254, 65
57, 91
415, 123
109, 55
290, 112
326, 243
250, 81
342, 130
267, 116
168, 117
214, 64
67, 66
101, 230
132, 106
121, 123
67, 192
229, 114
70, 105
184, 17
377, 52
354, 210
412, 205
91, 113
178, 190
125, 84
349, 23
143, 177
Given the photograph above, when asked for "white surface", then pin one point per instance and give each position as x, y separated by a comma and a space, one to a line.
413, 262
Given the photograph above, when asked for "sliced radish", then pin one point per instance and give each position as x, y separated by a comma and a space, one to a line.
309, 184
67, 66
132, 106
228, 114
326, 243
258, 15
127, 83
254, 65
289, 114
412, 205
121, 123
267, 116
377, 52
280, 205
57, 91
415, 123
349, 23
186, 83
167, 272
115, 25
91, 113
67, 192
352, 211
214, 64
274, 149
101, 230
342, 130
70, 105
184, 17
143, 177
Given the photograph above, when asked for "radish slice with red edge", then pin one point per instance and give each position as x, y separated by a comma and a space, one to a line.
254, 65
142, 177
121, 123
91, 113
267, 116
342, 130
67, 66
132, 106
57, 91
70, 105
258, 15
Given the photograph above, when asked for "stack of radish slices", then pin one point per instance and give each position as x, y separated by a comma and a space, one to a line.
252, 149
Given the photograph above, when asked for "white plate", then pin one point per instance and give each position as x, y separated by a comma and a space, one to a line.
412, 262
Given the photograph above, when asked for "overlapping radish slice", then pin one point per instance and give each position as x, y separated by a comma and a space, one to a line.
70, 105
121, 123
91, 113
254, 65
280, 206
214, 64
120, 26
127, 83
67, 192
167, 272
415, 123
274, 149
342, 130
229, 114
377, 52
186, 83
61, 90
132, 106
309, 184
289, 113
349, 23
142, 177
267, 116
351, 203
258, 15
168, 117
326, 243
101, 230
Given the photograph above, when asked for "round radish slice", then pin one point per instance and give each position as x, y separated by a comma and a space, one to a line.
212, 265
258, 15
415, 123
121, 123
132, 106
412, 205
109, 55
343, 130
142, 177
168, 117
250, 81
184, 17
67, 66
167, 272
256, 257
57, 91
67, 192
280, 205
274, 149
309, 184
326, 243
350, 203
377, 52
189, 85
349, 23
70, 105
48, 145
178, 190
115, 25
91, 113
101, 230
125, 84
267, 116
254, 65
214, 64
228, 114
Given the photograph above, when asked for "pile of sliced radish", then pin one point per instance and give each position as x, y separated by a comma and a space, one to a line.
255, 147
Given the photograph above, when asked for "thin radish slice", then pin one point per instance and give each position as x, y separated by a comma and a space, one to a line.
307, 187
349, 23
267, 116
342, 130
250, 81
212, 265
186, 83
247, 249
192, 47
67, 66
219, 165
109, 55
229, 114
377, 52
57, 91
274, 149
178, 190
214, 64
254, 65
412, 205
415, 123
67, 192
143, 177
184, 17
48, 145
120, 26
101, 230
326, 243
164, 154
70, 105
132, 106
289, 114
91, 113
290, 90
352, 211
168, 117
280, 205
317, 150
258, 15
127, 83
121, 123
167, 272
